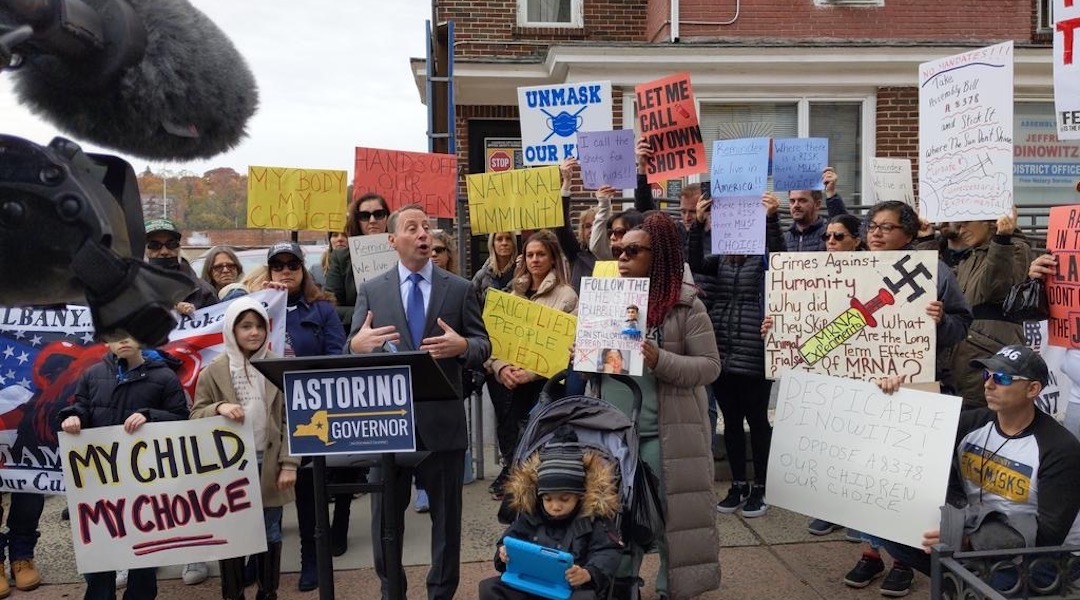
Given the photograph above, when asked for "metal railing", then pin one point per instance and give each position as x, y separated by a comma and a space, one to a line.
1046, 573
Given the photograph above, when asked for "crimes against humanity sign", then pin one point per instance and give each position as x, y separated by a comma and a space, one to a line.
364, 410
168, 494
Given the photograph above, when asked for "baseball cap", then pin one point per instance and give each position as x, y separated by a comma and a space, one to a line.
285, 248
1020, 361
155, 225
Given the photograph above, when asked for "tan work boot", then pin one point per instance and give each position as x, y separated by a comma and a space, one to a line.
26, 575
5, 587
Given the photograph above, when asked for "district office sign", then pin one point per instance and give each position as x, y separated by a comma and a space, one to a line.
1067, 69
365, 410
551, 116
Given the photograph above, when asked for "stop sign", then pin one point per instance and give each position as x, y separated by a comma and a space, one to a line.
658, 190
499, 161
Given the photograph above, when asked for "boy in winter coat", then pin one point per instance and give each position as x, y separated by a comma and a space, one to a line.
129, 387
566, 500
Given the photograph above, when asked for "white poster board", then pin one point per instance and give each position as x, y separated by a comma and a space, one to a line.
551, 116
890, 179
371, 255
852, 314
1067, 69
169, 494
1054, 398
966, 135
611, 324
844, 451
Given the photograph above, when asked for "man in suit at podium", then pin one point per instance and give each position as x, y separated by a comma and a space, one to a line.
418, 306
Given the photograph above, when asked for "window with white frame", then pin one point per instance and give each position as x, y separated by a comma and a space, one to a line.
1045, 22
839, 121
550, 13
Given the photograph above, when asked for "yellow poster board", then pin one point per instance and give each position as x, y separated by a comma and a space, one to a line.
527, 335
606, 268
287, 198
515, 200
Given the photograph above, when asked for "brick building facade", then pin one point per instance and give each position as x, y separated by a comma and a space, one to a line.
842, 69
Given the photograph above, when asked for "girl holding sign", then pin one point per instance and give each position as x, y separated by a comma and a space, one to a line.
680, 355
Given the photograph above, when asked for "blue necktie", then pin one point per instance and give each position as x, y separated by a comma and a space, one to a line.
414, 313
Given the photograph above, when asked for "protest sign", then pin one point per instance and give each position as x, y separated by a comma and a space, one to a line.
844, 451
798, 163
606, 268
966, 135
1066, 69
738, 225
740, 168
171, 493
371, 255
607, 158
525, 334
551, 115
1053, 398
515, 200
44, 352
1063, 289
668, 119
363, 410
890, 179
427, 179
852, 314
612, 317
284, 198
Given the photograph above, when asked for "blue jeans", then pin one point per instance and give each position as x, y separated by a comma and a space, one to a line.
141, 585
22, 524
272, 524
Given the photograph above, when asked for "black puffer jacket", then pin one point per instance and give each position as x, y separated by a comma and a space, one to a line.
737, 308
104, 397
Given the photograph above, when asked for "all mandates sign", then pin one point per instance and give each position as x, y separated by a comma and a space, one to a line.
365, 410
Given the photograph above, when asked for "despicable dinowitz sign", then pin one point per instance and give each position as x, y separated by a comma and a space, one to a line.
552, 115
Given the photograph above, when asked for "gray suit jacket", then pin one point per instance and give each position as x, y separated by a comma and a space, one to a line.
439, 424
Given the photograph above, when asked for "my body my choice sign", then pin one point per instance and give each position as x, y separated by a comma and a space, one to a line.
364, 410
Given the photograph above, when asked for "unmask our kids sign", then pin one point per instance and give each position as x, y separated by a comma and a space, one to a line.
552, 115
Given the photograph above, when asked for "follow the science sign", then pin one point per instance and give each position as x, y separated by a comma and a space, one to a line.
366, 410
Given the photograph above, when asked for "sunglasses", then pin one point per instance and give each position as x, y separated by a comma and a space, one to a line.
223, 267
292, 265
156, 245
378, 214
631, 251
1002, 378
439, 249
617, 232
839, 236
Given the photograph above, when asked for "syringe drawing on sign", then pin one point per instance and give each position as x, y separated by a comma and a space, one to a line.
843, 327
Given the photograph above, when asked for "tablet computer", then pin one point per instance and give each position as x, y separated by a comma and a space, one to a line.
536, 569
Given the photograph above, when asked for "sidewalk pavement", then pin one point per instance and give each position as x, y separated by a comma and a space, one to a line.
771, 558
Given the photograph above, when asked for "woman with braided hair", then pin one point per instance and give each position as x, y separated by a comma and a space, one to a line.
679, 352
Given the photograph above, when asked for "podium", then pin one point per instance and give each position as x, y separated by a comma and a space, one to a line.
429, 384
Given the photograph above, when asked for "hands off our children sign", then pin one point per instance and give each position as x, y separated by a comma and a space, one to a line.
168, 494
552, 115
852, 314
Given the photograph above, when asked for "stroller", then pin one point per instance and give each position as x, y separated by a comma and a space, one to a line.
604, 429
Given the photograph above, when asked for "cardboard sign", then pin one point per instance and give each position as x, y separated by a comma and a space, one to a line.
551, 116
740, 168
1063, 289
890, 179
525, 334
45, 351
738, 225
966, 135
365, 410
1054, 396
612, 317
1067, 68
371, 255
515, 200
846, 452
667, 117
285, 198
403, 178
798, 163
169, 494
607, 158
852, 314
